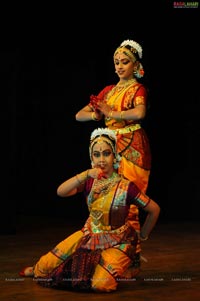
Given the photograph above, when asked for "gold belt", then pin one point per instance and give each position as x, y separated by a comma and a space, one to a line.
108, 229
128, 129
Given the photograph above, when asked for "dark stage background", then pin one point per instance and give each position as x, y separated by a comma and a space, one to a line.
53, 59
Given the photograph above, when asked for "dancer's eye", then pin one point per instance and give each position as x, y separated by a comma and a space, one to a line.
107, 153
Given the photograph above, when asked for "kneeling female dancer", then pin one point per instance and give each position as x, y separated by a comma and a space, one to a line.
98, 255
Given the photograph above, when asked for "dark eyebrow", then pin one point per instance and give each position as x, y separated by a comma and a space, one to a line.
124, 59
105, 150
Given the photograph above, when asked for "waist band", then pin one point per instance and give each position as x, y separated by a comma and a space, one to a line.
128, 129
108, 229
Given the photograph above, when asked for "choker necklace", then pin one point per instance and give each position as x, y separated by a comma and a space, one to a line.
125, 84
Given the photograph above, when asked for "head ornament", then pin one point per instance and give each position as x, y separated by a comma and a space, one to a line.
135, 47
107, 136
103, 131
134, 52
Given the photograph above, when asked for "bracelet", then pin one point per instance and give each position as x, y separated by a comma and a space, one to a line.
82, 177
143, 238
122, 114
93, 115
110, 113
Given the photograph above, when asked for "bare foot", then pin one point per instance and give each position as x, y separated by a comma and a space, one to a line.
27, 272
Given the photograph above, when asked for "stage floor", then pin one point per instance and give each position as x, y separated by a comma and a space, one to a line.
171, 273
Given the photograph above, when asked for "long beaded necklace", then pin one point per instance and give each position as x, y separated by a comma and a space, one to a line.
100, 190
116, 92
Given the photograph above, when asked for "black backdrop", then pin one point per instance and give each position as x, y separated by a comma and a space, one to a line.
53, 59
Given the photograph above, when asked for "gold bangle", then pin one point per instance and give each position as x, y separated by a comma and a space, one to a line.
93, 115
110, 114
82, 177
122, 115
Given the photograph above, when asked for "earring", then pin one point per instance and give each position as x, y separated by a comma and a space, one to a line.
115, 164
92, 164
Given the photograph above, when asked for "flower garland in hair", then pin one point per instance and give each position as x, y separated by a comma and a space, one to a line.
103, 131
133, 44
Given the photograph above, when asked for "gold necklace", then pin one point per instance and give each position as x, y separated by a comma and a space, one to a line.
118, 90
102, 187
126, 83
121, 86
